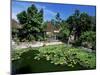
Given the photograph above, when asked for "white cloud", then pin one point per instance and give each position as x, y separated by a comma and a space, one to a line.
50, 12
47, 12
45, 9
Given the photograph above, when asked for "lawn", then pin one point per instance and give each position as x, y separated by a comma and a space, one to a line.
52, 58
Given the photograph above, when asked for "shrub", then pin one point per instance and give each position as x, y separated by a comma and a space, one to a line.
88, 38
64, 33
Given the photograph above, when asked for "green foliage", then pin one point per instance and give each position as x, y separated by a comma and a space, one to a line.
85, 22
86, 59
32, 23
15, 26
16, 53
14, 33
56, 22
58, 19
64, 55
88, 36
93, 24
64, 34
55, 56
64, 31
22, 17
79, 22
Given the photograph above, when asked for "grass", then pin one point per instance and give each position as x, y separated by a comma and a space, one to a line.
51, 59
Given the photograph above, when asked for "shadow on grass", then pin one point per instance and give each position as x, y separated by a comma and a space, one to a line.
27, 64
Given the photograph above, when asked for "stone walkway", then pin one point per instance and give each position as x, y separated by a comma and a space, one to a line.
40, 44
37, 44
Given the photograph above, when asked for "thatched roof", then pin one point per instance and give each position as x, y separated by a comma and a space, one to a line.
15, 24
51, 28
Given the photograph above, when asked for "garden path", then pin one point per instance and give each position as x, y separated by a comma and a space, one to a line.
36, 44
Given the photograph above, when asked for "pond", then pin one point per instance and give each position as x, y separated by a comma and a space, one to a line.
27, 64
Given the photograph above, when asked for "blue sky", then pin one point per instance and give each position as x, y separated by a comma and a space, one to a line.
50, 9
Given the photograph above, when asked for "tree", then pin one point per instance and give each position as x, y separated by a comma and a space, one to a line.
22, 17
15, 26
57, 19
31, 21
78, 23
41, 16
93, 23
56, 22
64, 31
85, 22
53, 22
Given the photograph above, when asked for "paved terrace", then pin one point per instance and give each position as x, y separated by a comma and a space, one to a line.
35, 44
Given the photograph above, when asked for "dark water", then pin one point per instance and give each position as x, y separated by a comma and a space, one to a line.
27, 64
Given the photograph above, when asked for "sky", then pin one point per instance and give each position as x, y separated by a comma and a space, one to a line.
51, 9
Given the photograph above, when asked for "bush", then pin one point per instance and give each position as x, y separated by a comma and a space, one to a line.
64, 33
30, 37
88, 38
